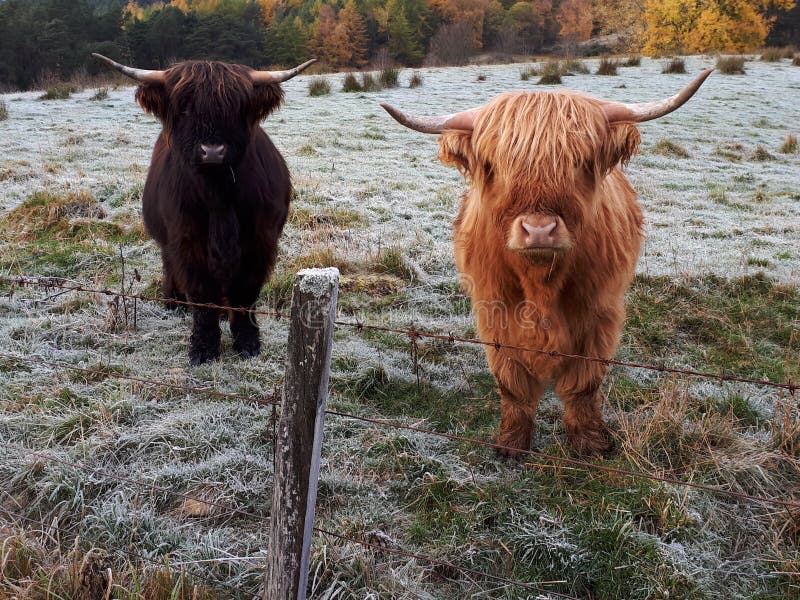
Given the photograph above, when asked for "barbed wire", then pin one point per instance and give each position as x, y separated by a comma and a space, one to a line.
412, 334
571, 461
448, 565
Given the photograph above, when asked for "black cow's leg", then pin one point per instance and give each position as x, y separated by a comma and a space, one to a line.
244, 326
204, 341
169, 285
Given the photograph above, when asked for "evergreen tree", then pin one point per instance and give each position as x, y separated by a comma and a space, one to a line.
404, 44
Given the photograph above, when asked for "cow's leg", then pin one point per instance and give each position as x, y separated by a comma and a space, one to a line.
244, 326
169, 284
205, 338
520, 393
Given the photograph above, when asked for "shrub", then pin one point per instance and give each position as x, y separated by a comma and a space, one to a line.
676, 65
551, 73
731, 65
350, 83
633, 61
100, 94
789, 145
319, 86
59, 92
369, 83
667, 148
389, 78
607, 67
3, 110
416, 80
772, 54
568, 67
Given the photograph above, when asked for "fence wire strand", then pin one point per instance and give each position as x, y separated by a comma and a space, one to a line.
413, 334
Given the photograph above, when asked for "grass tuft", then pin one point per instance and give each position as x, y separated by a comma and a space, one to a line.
100, 94
319, 86
796, 61
668, 148
351, 84
761, 154
59, 92
607, 67
632, 61
389, 78
572, 66
369, 83
731, 65
772, 55
550, 73
416, 80
481, 77
675, 66
3, 110
789, 145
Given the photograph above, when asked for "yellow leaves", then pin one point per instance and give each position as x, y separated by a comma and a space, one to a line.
685, 26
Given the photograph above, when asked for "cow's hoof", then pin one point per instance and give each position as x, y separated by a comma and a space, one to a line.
199, 356
247, 344
592, 443
512, 447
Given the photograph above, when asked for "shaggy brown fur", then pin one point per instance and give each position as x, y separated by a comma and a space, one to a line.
543, 155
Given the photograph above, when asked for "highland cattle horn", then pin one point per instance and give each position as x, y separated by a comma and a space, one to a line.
279, 76
614, 111
143, 75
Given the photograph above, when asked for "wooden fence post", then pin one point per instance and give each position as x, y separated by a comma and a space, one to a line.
299, 439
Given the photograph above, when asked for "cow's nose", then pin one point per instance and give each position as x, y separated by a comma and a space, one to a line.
538, 233
212, 154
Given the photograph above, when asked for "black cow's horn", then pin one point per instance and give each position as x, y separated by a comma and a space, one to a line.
279, 76
464, 121
647, 111
143, 75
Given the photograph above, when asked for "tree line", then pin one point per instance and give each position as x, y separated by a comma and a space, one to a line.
47, 39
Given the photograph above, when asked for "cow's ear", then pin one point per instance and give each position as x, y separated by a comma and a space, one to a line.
455, 148
152, 97
266, 98
621, 144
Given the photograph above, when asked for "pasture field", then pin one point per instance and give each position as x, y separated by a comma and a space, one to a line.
718, 289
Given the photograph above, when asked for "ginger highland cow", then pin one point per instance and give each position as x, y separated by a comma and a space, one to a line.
546, 241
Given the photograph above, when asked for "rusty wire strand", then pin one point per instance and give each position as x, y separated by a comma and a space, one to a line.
448, 565
413, 334
571, 461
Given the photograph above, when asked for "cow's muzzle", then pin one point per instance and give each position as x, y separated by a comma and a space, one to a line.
536, 234
212, 154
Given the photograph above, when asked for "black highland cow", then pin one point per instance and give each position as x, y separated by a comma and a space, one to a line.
217, 193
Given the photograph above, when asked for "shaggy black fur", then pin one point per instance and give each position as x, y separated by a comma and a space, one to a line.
217, 226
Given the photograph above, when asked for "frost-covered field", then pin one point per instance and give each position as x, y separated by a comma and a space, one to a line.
373, 200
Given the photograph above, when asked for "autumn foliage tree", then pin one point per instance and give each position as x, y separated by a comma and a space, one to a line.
575, 20
689, 26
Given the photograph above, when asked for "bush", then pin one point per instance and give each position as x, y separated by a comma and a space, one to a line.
633, 61
3, 110
607, 67
59, 92
676, 65
789, 145
319, 86
416, 80
551, 73
100, 94
731, 65
389, 78
571, 66
369, 83
350, 83
772, 54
